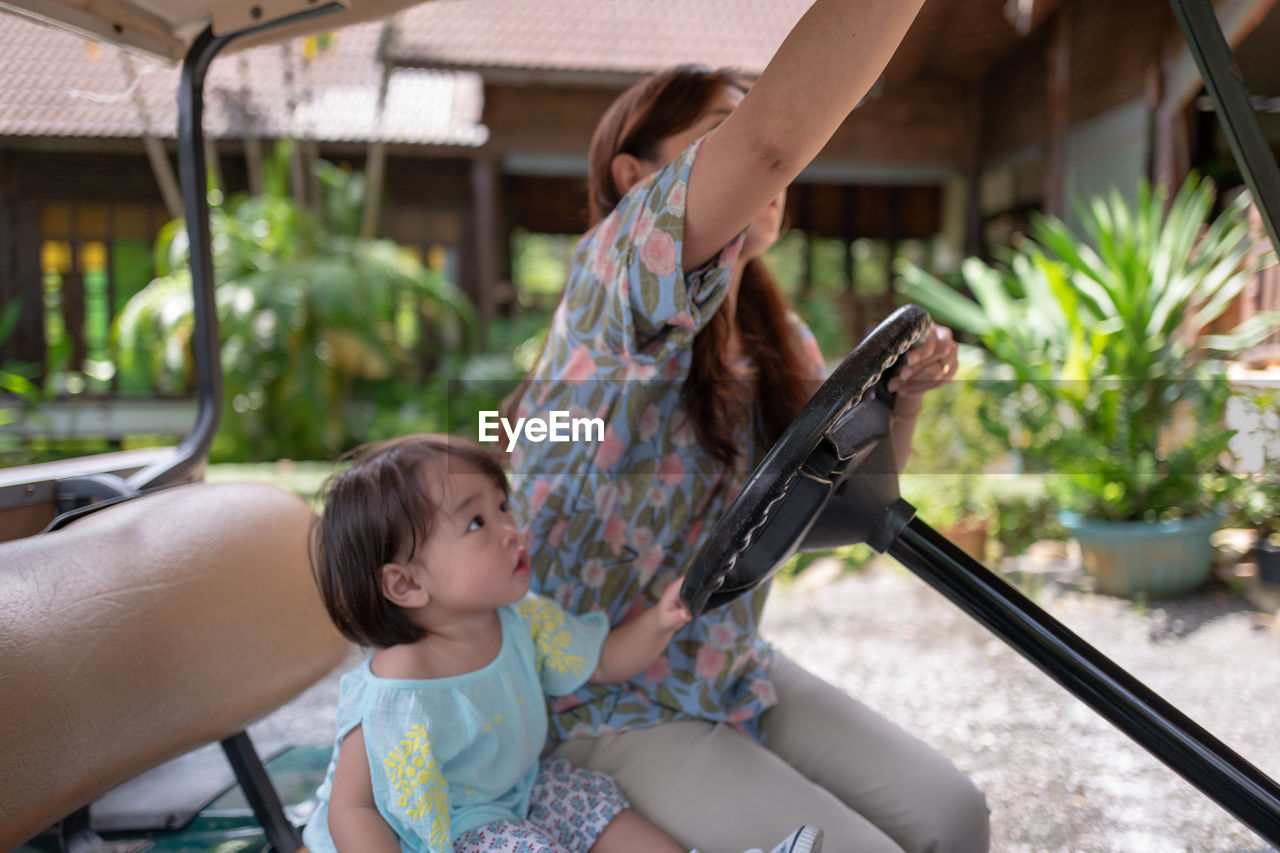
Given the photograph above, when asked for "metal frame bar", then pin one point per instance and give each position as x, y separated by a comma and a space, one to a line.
74, 834
193, 175
261, 794
1095, 679
1235, 109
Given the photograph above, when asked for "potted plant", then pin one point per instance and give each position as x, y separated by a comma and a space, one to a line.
1102, 375
1259, 449
1267, 551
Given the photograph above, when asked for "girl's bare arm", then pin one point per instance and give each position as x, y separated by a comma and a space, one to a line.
632, 646
826, 65
355, 824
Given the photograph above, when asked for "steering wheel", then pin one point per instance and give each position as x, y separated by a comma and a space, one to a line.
799, 495
832, 479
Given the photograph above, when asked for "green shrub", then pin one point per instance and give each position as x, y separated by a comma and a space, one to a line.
312, 317
1024, 512
1105, 375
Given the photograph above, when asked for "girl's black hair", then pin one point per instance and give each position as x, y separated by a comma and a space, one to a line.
371, 511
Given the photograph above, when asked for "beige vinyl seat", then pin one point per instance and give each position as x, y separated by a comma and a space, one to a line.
145, 630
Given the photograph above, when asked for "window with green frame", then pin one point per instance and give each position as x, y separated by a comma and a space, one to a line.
94, 257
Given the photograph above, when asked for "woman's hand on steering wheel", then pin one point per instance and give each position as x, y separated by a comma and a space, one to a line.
930, 363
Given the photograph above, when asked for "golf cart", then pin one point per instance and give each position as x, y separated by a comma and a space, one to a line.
208, 588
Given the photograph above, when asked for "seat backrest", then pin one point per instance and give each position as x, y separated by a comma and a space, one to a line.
145, 630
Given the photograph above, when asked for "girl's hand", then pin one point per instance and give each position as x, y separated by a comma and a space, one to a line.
670, 610
632, 646
927, 365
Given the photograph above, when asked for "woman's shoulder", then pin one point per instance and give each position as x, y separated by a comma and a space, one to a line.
628, 292
666, 190
634, 218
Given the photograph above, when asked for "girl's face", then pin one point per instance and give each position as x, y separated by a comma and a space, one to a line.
764, 229
475, 559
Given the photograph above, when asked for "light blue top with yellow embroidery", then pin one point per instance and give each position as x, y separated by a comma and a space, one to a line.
447, 755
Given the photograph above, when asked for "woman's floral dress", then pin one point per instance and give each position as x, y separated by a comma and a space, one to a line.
612, 522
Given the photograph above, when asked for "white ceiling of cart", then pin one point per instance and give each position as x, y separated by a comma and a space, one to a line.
168, 28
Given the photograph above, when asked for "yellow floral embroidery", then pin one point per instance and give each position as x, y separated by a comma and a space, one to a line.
415, 775
550, 638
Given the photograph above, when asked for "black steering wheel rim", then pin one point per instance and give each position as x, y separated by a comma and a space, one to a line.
711, 581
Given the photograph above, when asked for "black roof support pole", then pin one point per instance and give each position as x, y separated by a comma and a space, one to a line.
1124, 701
193, 175
255, 784
1230, 99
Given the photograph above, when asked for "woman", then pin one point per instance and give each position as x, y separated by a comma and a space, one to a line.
672, 331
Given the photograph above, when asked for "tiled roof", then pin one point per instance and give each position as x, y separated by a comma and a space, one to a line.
55, 84
627, 36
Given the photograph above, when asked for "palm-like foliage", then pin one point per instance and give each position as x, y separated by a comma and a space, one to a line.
308, 311
18, 394
1105, 375
1260, 455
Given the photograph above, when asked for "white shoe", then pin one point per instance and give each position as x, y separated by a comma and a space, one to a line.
806, 839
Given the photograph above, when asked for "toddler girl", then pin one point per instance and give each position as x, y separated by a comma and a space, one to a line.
440, 730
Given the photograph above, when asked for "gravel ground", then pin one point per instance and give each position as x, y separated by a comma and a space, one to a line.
1057, 776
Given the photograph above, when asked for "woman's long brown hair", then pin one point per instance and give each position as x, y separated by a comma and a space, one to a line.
715, 395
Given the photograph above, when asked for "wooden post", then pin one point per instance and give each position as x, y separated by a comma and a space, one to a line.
157, 156
73, 296
252, 145
1171, 132
214, 162
853, 304
376, 166
110, 242
484, 188
20, 282
972, 242
895, 236
8, 276
298, 166
1059, 107
166, 179
29, 343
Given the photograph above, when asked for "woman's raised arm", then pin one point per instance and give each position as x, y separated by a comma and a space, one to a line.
826, 65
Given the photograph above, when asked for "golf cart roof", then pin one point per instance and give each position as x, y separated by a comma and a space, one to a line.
166, 28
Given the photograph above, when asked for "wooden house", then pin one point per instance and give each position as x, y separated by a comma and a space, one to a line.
476, 115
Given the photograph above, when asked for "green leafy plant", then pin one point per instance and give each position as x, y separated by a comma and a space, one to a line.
311, 317
18, 394
952, 453
1104, 374
1259, 504
1024, 511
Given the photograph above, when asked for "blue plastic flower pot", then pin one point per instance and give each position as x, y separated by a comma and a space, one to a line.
1268, 556
1160, 559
